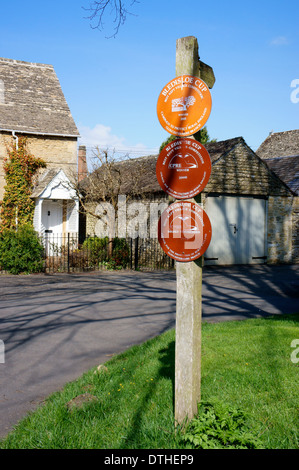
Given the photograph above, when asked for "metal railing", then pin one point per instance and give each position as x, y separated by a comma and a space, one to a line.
64, 253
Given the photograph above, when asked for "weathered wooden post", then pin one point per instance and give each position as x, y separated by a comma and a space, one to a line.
189, 277
183, 169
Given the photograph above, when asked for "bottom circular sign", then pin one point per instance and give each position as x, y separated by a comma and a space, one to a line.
184, 231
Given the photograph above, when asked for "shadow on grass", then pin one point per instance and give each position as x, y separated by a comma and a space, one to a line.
165, 371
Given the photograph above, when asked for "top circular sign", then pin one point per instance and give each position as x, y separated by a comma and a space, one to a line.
184, 105
183, 168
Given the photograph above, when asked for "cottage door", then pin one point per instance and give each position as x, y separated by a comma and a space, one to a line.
52, 216
238, 230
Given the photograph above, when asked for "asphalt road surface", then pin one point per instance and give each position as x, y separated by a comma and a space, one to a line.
55, 327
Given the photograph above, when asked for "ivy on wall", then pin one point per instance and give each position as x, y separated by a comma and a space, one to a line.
17, 208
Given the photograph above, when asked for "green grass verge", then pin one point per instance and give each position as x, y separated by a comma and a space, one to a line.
246, 365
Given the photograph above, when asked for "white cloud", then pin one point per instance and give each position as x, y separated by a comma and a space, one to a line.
101, 136
279, 41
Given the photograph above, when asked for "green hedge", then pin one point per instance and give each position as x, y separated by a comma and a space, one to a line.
21, 251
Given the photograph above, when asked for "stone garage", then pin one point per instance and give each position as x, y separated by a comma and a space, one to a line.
251, 209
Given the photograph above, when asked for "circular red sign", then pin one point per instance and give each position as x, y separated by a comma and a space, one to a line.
184, 105
183, 168
184, 231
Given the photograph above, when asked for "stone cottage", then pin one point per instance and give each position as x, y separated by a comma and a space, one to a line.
32, 104
242, 199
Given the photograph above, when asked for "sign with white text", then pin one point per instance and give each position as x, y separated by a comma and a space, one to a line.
183, 168
184, 231
184, 105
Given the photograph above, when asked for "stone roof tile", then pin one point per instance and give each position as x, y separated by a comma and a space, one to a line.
280, 150
32, 100
280, 144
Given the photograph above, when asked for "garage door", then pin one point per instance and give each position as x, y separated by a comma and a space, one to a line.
238, 230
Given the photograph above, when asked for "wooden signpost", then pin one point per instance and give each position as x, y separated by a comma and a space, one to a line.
184, 230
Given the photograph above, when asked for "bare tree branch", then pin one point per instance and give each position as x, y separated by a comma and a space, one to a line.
101, 9
109, 178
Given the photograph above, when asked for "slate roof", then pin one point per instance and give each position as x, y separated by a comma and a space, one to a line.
130, 176
279, 144
221, 148
281, 153
32, 101
287, 169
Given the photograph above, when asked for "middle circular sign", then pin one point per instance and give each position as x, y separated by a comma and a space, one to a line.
183, 168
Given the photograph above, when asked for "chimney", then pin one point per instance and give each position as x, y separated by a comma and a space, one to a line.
82, 164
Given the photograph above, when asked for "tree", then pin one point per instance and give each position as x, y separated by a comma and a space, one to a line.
110, 178
201, 136
101, 9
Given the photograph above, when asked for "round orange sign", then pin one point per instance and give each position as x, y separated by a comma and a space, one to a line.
184, 105
183, 168
184, 231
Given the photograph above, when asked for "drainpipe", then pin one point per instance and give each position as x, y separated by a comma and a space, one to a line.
17, 148
17, 139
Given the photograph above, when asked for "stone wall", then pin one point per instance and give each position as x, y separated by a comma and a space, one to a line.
295, 230
280, 234
58, 152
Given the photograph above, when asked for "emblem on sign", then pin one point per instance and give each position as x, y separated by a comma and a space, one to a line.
184, 105
184, 231
183, 168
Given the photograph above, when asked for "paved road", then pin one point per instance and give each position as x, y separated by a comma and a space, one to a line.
56, 327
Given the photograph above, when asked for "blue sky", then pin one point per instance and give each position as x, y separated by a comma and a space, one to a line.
112, 85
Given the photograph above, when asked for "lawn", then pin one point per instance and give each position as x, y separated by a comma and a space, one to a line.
128, 403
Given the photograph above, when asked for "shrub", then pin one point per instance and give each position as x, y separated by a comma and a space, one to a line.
96, 249
98, 252
218, 426
120, 253
21, 251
